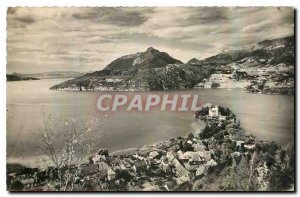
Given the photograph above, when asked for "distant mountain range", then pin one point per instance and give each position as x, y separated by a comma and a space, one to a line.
19, 78
271, 52
155, 70
46, 75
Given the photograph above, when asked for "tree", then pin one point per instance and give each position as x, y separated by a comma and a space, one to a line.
215, 85
270, 160
281, 180
282, 155
210, 170
190, 136
273, 148
123, 174
218, 154
65, 147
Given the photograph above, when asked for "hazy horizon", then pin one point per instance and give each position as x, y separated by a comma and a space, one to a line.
88, 39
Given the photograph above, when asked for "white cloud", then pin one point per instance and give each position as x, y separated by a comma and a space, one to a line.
87, 39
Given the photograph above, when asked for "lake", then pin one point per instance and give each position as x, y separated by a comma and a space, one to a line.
30, 103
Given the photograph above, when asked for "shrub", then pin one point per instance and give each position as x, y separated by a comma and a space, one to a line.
64, 148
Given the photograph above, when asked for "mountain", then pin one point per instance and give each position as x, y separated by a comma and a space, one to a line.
221, 58
50, 75
151, 58
267, 52
156, 70
148, 70
19, 78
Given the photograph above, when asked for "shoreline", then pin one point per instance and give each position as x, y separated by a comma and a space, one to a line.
195, 88
186, 161
17, 160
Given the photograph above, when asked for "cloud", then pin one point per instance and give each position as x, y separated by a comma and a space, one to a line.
25, 19
116, 16
87, 39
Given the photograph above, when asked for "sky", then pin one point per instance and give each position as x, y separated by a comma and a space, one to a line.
87, 39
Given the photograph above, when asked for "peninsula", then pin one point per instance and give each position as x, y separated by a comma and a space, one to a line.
221, 157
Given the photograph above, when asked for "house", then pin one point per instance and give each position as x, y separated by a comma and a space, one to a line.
240, 143
182, 156
211, 163
200, 171
193, 163
180, 170
181, 180
147, 186
97, 158
121, 164
154, 155
169, 185
103, 152
154, 162
199, 85
101, 155
190, 155
116, 168
233, 120
111, 174
213, 111
206, 155
102, 167
207, 105
249, 146
28, 182
165, 144
140, 166
189, 142
164, 164
170, 155
195, 159
222, 117
199, 147
126, 163
136, 156
236, 154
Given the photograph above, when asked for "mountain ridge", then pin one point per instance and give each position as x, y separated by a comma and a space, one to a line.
264, 49
151, 58
156, 70
49, 74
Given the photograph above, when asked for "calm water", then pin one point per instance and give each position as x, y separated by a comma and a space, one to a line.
29, 103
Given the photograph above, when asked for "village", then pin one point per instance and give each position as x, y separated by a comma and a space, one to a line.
172, 165
277, 79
